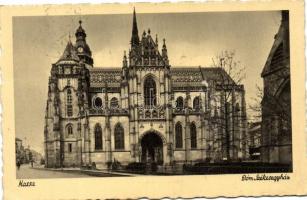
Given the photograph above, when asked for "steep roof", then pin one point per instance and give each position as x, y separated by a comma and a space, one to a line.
193, 76
69, 55
106, 75
181, 76
186, 76
279, 53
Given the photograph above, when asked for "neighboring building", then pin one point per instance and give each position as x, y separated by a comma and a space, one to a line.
254, 134
144, 111
18, 144
25, 155
28, 155
36, 157
276, 103
19, 150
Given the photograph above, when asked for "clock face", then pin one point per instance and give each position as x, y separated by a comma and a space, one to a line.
80, 49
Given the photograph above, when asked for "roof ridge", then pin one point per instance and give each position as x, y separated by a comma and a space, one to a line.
106, 69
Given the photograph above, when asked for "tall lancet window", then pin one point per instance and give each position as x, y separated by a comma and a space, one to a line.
119, 137
196, 103
193, 133
179, 103
69, 103
178, 130
69, 129
150, 92
98, 137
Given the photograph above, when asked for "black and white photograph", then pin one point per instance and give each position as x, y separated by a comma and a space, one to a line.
152, 94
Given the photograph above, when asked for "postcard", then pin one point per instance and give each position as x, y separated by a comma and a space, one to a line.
153, 100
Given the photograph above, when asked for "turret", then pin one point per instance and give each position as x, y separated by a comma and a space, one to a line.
125, 65
164, 50
83, 50
164, 53
156, 42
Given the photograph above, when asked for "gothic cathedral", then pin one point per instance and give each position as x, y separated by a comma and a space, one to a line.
145, 111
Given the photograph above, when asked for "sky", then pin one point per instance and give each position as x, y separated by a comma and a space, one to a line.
192, 39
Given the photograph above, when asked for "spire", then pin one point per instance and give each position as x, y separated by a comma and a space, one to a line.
164, 45
125, 60
135, 33
157, 39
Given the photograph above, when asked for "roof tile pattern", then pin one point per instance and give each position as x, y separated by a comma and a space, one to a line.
181, 76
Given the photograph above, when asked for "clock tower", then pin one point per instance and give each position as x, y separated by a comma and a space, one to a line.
83, 50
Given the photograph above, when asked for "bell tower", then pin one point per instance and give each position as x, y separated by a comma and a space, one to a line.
83, 50
66, 126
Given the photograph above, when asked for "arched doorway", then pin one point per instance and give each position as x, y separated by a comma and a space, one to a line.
152, 148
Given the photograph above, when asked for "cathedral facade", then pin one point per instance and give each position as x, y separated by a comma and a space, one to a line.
143, 111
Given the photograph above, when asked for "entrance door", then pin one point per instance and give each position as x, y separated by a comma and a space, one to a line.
152, 148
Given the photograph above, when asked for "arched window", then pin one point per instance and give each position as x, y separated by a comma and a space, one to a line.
179, 103
98, 137
114, 102
119, 137
196, 103
69, 103
193, 136
97, 102
178, 130
150, 92
69, 129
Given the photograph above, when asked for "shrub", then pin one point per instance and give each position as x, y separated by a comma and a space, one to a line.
109, 165
115, 165
93, 165
154, 167
135, 166
208, 160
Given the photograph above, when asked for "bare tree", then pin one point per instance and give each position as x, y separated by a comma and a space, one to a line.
228, 114
254, 107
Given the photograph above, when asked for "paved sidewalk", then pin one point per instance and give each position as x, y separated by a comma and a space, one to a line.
91, 172
37, 172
